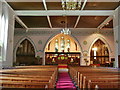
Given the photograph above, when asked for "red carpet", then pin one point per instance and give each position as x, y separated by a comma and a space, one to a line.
62, 66
64, 82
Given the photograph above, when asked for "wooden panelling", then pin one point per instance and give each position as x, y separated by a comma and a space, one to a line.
119, 61
54, 5
35, 21
101, 5
90, 21
27, 5
59, 21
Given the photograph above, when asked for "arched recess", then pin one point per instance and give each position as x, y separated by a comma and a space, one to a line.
99, 53
71, 45
18, 45
102, 39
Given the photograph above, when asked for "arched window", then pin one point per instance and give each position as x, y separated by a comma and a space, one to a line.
68, 45
62, 44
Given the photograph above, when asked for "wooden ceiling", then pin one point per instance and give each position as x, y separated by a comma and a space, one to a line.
27, 5
17, 25
35, 21
101, 5
58, 21
57, 5
90, 21
63, 21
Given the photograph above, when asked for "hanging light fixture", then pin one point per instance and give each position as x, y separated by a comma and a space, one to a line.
66, 30
71, 4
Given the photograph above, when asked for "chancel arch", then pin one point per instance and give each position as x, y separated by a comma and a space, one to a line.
99, 53
62, 49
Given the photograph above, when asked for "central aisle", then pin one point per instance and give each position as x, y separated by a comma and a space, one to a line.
64, 80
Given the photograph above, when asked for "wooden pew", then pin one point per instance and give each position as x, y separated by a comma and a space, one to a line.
101, 85
24, 76
99, 80
95, 75
35, 76
15, 84
79, 74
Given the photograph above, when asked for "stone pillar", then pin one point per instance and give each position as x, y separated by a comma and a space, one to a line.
8, 36
0, 35
43, 62
116, 28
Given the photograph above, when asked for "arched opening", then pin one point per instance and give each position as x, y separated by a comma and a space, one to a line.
62, 49
25, 54
99, 54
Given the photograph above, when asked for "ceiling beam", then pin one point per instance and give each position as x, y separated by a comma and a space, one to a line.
49, 21
44, 3
64, 12
85, 1
61, 28
45, 6
105, 22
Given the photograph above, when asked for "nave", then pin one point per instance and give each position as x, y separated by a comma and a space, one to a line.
59, 78
38, 36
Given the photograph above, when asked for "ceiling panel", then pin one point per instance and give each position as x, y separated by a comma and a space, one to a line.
90, 21
27, 5
17, 25
109, 25
101, 5
54, 6
59, 21
35, 21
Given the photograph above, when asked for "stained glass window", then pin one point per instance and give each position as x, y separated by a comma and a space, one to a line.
68, 45
56, 45
62, 44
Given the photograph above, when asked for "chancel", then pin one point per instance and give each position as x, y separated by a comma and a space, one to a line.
59, 44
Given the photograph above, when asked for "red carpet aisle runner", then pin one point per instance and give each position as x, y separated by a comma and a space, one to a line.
64, 81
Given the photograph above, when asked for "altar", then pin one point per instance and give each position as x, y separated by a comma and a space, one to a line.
69, 58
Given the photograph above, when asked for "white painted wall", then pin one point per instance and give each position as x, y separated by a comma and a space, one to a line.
81, 35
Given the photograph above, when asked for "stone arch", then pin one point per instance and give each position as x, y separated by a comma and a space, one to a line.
103, 40
20, 41
56, 34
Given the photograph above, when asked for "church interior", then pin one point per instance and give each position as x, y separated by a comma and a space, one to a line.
59, 44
